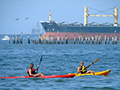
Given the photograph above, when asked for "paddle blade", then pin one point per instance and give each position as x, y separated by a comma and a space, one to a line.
41, 58
95, 61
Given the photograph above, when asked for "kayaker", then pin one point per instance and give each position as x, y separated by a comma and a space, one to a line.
83, 69
31, 71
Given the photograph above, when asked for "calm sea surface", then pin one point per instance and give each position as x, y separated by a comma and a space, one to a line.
59, 59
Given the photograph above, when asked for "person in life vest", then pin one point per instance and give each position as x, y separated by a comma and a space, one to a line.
83, 69
31, 71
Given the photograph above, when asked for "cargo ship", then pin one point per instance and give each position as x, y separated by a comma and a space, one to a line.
88, 29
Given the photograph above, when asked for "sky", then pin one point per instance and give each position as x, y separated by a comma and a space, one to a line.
62, 10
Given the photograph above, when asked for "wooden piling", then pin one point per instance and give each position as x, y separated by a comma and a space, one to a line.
13, 39
66, 39
81, 39
113, 39
49, 39
62, 40
46, 38
105, 39
92, 37
39, 39
54, 40
16, 39
116, 38
74, 39
21, 38
108, 40
28, 39
86, 40
9, 39
58, 39
99, 40
96, 39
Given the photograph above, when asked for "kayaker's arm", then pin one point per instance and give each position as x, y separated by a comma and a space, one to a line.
31, 73
89, 65
37, 67
79, 69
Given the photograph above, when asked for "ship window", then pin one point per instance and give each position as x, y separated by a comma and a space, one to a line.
48, 29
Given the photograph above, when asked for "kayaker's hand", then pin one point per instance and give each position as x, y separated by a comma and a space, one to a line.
90, 64
38, 66
34, 75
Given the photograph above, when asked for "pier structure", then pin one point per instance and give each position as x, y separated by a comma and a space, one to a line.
81, 39
78, 39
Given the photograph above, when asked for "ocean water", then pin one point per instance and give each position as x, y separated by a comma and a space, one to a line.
58, 60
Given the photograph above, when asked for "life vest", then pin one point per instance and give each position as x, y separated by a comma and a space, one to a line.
32, 71
83, 69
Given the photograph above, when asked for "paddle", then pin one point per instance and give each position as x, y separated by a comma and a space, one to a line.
40, 62
95, 61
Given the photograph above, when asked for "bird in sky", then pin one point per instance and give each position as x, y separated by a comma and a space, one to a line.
17, 19
26, 18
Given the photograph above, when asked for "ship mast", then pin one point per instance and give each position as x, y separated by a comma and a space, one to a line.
49, 15
116, 15
86, 16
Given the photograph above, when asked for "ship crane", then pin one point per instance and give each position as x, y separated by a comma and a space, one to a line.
114, 15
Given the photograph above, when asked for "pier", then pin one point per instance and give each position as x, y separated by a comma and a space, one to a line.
78, 39
67, 39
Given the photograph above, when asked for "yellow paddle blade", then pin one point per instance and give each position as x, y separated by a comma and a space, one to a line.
95, 61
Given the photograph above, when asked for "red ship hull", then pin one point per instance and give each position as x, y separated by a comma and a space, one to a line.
76, 35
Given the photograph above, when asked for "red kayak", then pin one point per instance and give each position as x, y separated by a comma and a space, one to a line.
53, 76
